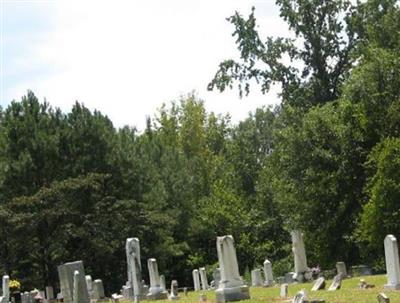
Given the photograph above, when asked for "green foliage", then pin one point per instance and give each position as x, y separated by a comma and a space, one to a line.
381, 214
325, 31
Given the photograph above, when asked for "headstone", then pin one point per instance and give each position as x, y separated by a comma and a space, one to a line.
156, 292
115, 298
319, 284
382, 298
341, 269
284, 290
203, 278
217, 277
336, 283
66, 273
231, 286
162, 282
185, 291
174, 291
196, 280
256, 279
300, 259
24, 297
134, 285
6, 289
49, 293
80, 288
392, 262
269, 278
289, 277
300, 297
98, 289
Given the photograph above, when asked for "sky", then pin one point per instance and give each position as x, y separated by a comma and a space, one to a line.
126, 57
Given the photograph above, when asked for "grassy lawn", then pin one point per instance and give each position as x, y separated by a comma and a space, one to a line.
349, 293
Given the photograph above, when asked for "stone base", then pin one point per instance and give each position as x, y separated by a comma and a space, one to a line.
238, 293
157, 296
391, 286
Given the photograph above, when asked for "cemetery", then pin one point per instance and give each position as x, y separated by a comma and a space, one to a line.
110, 194
228, 285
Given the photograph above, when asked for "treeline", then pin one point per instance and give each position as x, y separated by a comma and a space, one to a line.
327, 161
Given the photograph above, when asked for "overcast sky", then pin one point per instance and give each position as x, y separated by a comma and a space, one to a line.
125, 58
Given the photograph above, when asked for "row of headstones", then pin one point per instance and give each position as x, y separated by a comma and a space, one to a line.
76, 287
135, 288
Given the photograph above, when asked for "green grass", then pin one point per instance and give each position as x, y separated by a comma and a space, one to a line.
349, 293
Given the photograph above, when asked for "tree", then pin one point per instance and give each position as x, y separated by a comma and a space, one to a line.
326, 33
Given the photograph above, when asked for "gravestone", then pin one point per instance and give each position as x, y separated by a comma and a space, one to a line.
319, 284
341, 269
115, 298
66, 275
382, 298
185, 291
231, 286
134, 288
196, 280
162, 282
89, 285
256, 279
50, 294
300, 297
174, 291
269, 278
80, 293
336, 283
392, 262
217, 277
203, 278
5, 298
299, 252
156, 292
289, 277
284, 290
98, 290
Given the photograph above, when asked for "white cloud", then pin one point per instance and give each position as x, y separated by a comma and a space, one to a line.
127, 57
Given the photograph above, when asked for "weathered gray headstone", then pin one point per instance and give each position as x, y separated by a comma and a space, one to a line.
300, 297
217, 277
185, 291
336, 283
269, 277
134, 285
203, 278
299, 252
284, 290
49, 293
24, 297
162, 282
341, 269
289, 277
196, 280
66, 276
392, 262
80, 293
174, 291
319, 284
115, 298
156, 292
5, 289
382, 298
98, 289
231, 287
256, 278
